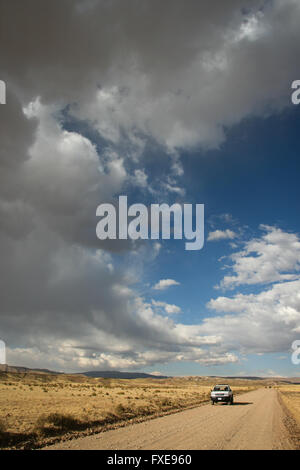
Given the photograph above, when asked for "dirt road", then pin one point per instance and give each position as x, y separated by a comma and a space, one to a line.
254, 422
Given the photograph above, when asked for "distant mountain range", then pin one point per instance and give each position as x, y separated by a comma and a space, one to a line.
246, 377
23, 370
115, 374
107, 374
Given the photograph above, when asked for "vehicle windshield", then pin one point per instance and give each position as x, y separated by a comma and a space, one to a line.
221, 388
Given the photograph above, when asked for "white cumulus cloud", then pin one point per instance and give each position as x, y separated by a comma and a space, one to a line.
217, 235
169, 308
165, 284
275, 256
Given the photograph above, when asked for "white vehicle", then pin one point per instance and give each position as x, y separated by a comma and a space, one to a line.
221, 393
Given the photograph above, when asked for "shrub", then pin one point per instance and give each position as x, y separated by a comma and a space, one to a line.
120, 409
2, 428
57, 421
165, 402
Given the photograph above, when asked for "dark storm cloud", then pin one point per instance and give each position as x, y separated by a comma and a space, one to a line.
172, 72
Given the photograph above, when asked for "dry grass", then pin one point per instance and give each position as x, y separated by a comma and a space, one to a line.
36, 407
290, 396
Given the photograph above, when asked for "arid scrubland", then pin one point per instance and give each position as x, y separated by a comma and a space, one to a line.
37, 408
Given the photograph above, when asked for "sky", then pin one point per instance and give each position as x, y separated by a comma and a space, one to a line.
164, 102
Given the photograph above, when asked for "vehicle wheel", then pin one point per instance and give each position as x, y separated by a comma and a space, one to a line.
231, 402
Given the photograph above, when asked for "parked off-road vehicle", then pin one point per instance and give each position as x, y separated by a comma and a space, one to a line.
221, 393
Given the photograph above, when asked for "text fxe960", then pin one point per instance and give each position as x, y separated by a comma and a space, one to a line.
149, 458
138, 221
